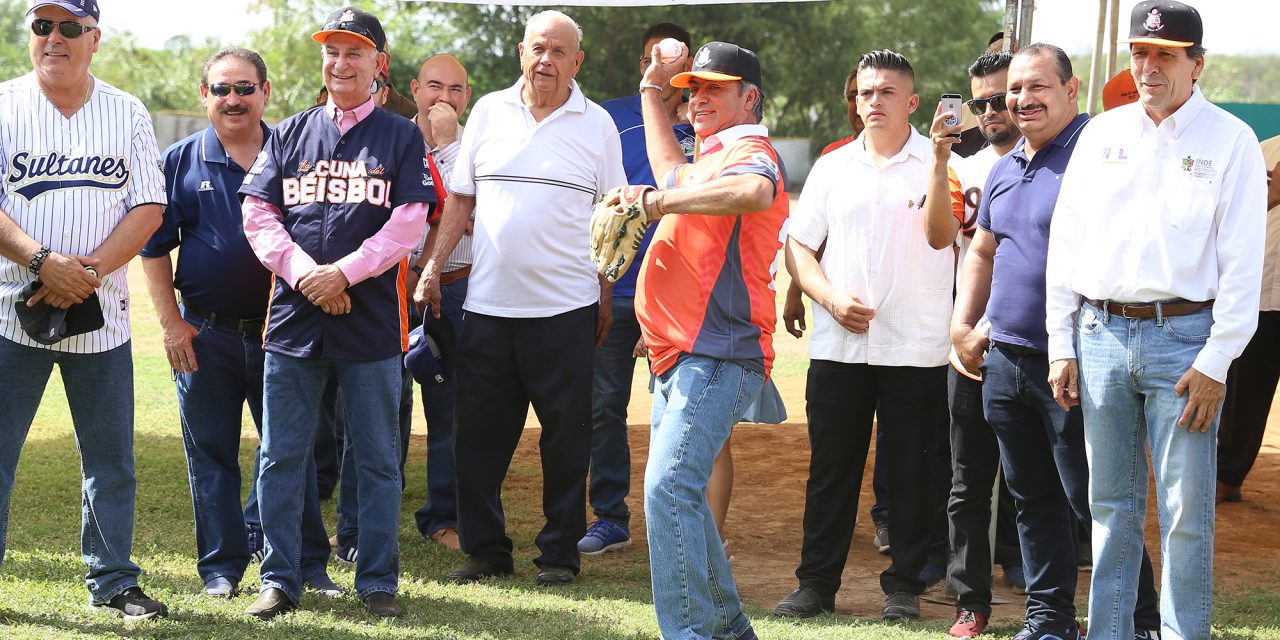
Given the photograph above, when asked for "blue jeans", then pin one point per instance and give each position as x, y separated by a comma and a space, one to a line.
611, 393
696, 403
441, 508
1128, 369
371, 393
348, 529
99, 389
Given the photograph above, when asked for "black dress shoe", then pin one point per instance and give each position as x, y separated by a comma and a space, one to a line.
383, 605
805, 602
270, 603
478, 569
553, 576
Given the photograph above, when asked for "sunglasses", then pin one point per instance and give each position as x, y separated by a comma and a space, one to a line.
979, 105
69, 29
224, 89
353, 27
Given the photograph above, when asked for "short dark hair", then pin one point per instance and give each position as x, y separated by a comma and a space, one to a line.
853, 75
1053, 51
885, 59
997, 37
238, 53
989, 63
1196, 51
667, 30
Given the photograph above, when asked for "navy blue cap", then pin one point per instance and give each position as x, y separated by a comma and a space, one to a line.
361, 24
1165, 23
78, 8
429, 344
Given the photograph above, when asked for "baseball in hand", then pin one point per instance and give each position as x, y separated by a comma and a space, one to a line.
669, 50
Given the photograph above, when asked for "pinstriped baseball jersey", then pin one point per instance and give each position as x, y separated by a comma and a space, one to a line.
67, 183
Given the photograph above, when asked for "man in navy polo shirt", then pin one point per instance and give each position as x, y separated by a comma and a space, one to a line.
335, 202
1041, 447
214, 340
615, 360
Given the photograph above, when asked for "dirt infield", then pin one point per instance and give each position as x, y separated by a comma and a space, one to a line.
771, 466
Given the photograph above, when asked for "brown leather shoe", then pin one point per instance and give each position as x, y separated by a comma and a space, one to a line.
270, 603
383, 605
1228, 493
447, 538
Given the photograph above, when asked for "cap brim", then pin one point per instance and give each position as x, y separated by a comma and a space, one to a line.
323, 36
70, 8
1159, 42
681, 80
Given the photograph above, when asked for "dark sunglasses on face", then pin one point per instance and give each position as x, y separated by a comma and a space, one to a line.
979, 105
224, 89
69, 29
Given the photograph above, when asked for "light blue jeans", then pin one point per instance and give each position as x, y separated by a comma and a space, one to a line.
1128, 369
99, 389
695, 406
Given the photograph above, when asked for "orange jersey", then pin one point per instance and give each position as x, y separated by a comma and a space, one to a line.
705, 287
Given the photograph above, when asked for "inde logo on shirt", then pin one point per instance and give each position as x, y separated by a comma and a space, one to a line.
337, 182
32, 175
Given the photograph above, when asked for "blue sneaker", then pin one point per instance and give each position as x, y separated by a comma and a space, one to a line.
604, 536
932, 574
1030, 632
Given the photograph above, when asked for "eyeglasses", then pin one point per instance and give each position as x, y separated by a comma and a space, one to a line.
353, 27
69, 29
979, 105
242, 88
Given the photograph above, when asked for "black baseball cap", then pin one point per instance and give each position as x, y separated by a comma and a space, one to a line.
722, 62
77, 8
1165, 23
50, 325
359, 23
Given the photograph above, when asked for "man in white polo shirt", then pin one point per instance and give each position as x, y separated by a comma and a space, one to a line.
535, 157
1154, 278
880, 342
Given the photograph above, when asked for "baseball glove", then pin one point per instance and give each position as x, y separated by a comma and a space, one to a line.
618, 223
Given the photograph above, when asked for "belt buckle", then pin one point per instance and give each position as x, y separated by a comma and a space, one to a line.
1124, 311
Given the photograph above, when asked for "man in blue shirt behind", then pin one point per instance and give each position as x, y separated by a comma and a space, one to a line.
214, 340
615, 359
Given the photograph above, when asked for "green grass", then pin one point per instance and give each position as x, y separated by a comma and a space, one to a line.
42, 594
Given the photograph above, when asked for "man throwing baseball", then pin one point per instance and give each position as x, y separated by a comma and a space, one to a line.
706, 312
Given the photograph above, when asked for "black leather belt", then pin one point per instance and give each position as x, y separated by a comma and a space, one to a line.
243, 325
1021, 350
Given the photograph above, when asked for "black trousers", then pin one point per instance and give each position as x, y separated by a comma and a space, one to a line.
504, 365
975, 458
842, 403
1251, 385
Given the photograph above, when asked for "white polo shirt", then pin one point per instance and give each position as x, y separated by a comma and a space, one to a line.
67, 183
534, 184
1151, 213
872, 220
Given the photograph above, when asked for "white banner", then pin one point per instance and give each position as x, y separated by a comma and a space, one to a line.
616, 3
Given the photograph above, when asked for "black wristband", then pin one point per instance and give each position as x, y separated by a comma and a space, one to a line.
417, 268
38, 259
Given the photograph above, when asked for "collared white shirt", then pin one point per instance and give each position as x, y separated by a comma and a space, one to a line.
872, 220
1271, 261
1151, 213
534, 184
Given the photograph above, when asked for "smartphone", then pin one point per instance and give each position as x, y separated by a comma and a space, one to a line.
951, 103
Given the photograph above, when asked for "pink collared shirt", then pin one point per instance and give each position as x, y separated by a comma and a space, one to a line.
264, 228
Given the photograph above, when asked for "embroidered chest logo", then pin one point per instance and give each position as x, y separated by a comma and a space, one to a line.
337, 182
32, 176
1201, 169
205, 185
1154, 22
